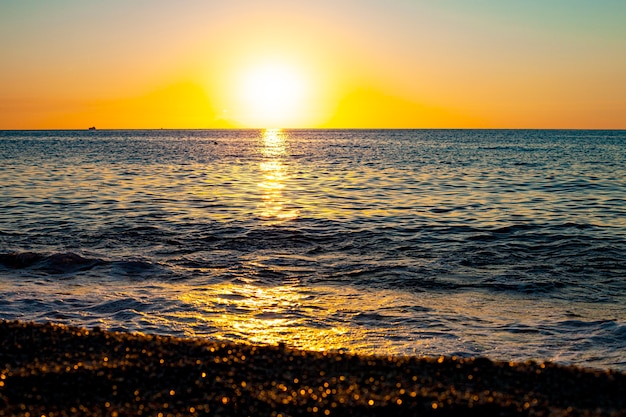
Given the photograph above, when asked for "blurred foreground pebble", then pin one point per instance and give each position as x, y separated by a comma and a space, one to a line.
51, 370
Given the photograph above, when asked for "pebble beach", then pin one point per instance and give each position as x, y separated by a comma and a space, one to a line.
55, 370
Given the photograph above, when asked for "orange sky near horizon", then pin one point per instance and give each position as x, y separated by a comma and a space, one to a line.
72, 64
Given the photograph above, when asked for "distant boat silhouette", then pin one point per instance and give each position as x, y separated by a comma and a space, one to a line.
92, 128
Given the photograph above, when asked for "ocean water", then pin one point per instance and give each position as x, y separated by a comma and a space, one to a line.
505, 244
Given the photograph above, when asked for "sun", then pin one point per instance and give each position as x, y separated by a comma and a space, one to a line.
272, 94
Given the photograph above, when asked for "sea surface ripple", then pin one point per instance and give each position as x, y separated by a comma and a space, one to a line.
504, 243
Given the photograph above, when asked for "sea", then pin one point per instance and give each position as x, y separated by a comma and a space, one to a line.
507, 244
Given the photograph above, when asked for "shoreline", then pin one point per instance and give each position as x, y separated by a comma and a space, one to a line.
55, 370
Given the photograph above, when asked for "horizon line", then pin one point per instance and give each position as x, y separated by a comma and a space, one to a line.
312, 128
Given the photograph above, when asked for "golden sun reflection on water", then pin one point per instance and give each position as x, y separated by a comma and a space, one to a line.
387, 322
275, 176
268, 315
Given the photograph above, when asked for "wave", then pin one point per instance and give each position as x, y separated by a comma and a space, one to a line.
525, 258
56, 263
68, 263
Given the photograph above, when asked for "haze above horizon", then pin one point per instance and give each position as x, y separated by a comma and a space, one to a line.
325, 64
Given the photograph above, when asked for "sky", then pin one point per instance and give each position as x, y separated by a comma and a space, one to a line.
71, 64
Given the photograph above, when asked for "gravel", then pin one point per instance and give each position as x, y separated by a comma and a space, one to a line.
53, 370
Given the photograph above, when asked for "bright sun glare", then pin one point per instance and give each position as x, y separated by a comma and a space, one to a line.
272, 95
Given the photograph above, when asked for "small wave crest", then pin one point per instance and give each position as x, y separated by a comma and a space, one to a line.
69, 263
56, 263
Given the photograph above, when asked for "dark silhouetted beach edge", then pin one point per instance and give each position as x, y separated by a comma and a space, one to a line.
54, 370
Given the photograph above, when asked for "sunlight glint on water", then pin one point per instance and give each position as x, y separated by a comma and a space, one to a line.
275, 175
